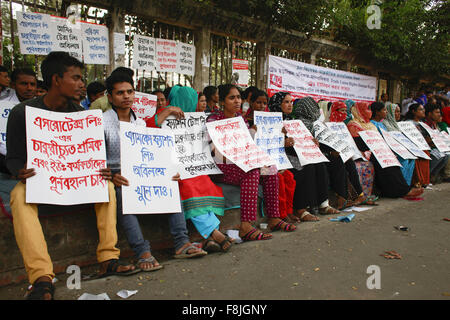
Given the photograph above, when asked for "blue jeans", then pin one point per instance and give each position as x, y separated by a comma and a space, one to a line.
436, 165
133, 232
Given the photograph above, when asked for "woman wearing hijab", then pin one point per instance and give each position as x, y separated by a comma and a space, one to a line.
307, 110
202, 200
389, 180
365, 169
311, 189
349, 103
383, 117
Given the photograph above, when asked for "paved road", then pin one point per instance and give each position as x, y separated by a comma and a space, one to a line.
322, 260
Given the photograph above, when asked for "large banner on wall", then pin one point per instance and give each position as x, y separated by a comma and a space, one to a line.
303, 79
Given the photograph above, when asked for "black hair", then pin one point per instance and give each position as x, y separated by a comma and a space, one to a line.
430, 107
117, 77
57, 62
258, 93
3, 69
251, 89
209, 91
157, 91
411, 109
41, 85
17, 72
224, 90
376, 106
166, 92
95, 87
128, 71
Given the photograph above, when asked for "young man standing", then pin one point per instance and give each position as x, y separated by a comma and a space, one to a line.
62, 75
120, 88
24, 82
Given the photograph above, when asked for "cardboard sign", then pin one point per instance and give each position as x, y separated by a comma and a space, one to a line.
307, 151
342, 132
144, 54
67, 37
375, 142
327, 137
270, 138
232, 138
166, 55
409, 130
408, 144
67, 150
438, 139
95, 43
34, 31
193, 154
397, 147
147, 163
186, 58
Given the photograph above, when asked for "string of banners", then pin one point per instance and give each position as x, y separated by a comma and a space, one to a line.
41, 33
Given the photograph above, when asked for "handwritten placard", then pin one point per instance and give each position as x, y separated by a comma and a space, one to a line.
307, 151
147, 162
396, 146
95, 43
186, 59
375, 142
144, 54
438, 139
232, 138
446, 137
35, 35
193, 154
413, 134
342, 132
166, 55
327, 137
270, 138
144, 105
67, 150
408, 144
5, 109
67, 37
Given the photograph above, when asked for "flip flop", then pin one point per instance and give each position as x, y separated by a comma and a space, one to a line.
185, 255
111, 270
151, 260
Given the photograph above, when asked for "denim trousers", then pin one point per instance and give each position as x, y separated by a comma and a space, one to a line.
133, 232
436, 165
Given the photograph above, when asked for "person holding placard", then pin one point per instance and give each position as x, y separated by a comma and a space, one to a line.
390, 180
230, 99
161, 101
62, 75
365, 169
312, 182
201, 104
120, 88
258, 102
380, 113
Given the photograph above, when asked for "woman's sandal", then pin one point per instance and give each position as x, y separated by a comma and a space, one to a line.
224, 242
151, 260
258, 236
292, 219
328, 210
308, 217
40, 289
212, 245
111, 270
284, 226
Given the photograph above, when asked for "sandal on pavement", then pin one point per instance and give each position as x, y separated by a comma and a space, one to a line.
151, 260
212, 245
224, 242
308, 217
328, 210
40, 289
284, 226
113, 266
185, 255
252, 235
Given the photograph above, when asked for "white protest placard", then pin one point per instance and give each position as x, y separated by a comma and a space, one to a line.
5, 109
232, 138
303, 79
408, 144
375, 142
446, 137
409, 130
144, 54
119, 43
147, 162
240, 73
307, 151
327, 137
396, 146
166, 55
67, 150
34, 31
438, 139
144, 105
193, 154
186, 59
67, 37
95, 43
342, 132
270, 138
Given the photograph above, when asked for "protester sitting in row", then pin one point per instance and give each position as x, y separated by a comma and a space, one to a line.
120, 88
258, 102
230, 99
390, 180
62, 75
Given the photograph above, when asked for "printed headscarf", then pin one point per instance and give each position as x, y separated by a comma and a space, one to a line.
361, 119
390, 122
335, 114
307, 110
275, 103
349, 103
185, 98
